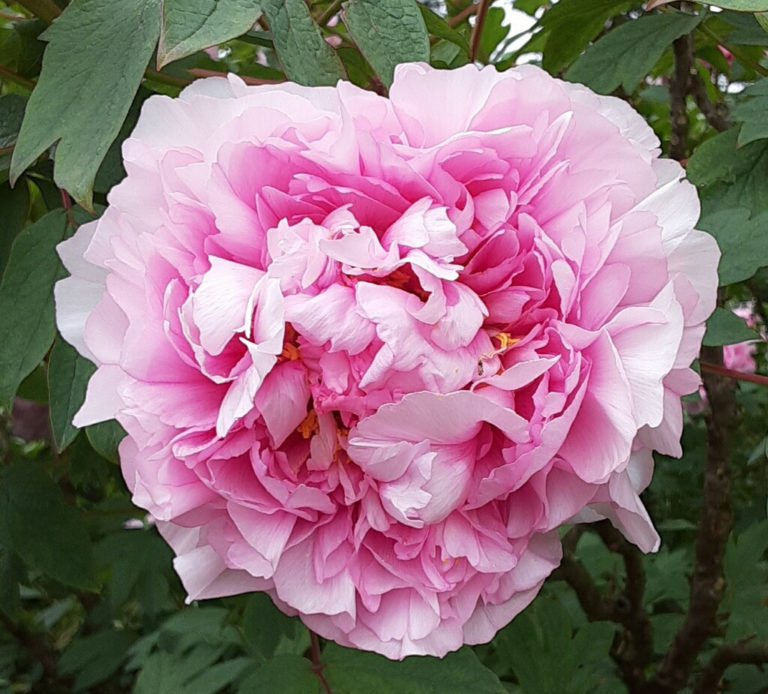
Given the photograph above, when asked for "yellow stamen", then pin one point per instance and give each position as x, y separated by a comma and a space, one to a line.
506, 341
290, 352
309, 426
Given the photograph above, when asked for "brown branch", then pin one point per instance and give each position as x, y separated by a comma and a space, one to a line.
477, 30
682, 49
468, 11
715, 113
732, 374
730, 654
715, 523
317, 664
47, 10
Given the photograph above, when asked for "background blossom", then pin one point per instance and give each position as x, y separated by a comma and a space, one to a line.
370, 353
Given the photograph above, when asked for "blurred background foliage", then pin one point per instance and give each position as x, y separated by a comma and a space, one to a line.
89, 601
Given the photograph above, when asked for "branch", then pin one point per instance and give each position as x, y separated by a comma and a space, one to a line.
461, 16
735, 375
730, 654
47, 10
682, 49
477, 30
715, 523
633, 617
715, 113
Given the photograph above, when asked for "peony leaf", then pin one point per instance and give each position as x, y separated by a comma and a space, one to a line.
438, 27
44, 531
105, 437
80, 107
287, 674
571, 24
625, 55
358, 672
68, 375
724, 327
303, 52
14, 202
387, 33
729, 176
742, 240
26, 300
752, 113
192, 25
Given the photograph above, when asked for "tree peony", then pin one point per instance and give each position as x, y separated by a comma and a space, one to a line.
371, 352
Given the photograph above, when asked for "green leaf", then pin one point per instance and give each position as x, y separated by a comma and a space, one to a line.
730, 177
743, 242
26, 300
627, 53
303, 52
105, 437
192, 25
14, 204
284, 674
762, 20
439, 28
94, 658
92, 68
11, 574
45, 532
571, 24
264, 625
753, 113
357, 672
68, 375
547, 653
11, 116
726, 328
387, 33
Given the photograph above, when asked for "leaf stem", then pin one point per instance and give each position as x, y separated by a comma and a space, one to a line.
164, 78
461, 16
47, 10
11, 76
477, 30
317, 664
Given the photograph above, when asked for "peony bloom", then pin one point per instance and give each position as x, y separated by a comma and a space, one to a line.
371, 352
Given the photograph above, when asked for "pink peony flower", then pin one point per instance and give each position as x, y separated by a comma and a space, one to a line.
370, 353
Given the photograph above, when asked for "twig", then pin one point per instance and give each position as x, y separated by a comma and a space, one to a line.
317, 664
477, 30
715, 113
468, 11
10, 75
715, 523
729, 654
330, 11
47, 10
735, 375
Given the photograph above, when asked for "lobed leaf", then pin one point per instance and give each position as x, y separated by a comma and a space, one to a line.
303, 52
192, 25
625, 55
724, 327
387, 33
81, 106
26, 300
